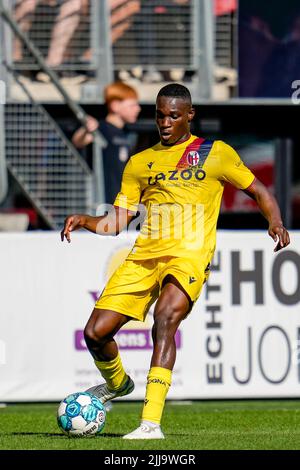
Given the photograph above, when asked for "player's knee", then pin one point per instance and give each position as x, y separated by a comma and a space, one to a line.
89, 335
92, 336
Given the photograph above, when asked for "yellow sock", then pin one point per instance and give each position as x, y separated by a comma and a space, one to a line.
113, 372
158, 383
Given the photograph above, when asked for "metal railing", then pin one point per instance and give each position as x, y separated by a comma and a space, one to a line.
72, 36
42, 160
3, 169
146, 33
160, 36
165, 38
176, 36
61, 30
226, 40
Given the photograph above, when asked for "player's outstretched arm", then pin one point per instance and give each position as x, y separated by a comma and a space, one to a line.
111, 224
269, 208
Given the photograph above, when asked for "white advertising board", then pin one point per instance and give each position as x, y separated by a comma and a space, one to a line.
241, 340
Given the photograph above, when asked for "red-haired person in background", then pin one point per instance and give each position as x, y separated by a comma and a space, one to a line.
123, 108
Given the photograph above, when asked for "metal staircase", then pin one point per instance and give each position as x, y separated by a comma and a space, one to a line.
50, 171
53, 176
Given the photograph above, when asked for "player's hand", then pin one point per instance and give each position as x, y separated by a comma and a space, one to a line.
91, 124
279, 234
73, 222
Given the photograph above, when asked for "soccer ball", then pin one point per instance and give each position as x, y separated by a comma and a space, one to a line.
81, 415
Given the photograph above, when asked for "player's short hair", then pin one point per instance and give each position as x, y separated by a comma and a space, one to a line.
119, 91
176, 90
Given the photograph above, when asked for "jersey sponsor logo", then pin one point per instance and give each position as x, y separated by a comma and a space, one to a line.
177, 175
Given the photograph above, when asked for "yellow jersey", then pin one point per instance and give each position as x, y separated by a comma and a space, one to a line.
181, 188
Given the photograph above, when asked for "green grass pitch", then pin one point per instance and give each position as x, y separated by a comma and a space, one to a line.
190, 426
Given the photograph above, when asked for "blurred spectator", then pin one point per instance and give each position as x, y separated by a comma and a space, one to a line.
69, 16
160, 36
291, 57
122, 12
123, 108
256, 45
164, 26
66, 24
269, 43
121, 17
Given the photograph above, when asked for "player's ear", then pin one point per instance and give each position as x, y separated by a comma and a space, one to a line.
191, 114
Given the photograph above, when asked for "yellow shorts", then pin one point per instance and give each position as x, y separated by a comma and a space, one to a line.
136, 284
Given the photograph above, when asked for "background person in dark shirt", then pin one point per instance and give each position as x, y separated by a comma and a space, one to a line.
269, 48
123, 108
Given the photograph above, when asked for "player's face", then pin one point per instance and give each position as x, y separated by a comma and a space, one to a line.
173, 118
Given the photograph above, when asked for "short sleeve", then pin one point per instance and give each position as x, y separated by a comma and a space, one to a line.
129, 196
233, 170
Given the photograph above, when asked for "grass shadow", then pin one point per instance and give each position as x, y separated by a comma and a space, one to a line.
41, 434
56, 434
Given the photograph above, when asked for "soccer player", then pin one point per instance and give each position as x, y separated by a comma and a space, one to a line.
180, 181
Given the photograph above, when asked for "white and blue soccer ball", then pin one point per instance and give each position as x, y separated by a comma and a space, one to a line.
81, 415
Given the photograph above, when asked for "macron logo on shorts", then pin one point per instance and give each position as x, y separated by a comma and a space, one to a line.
192, 279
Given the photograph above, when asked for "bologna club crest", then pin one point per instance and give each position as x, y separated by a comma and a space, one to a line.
193, 158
